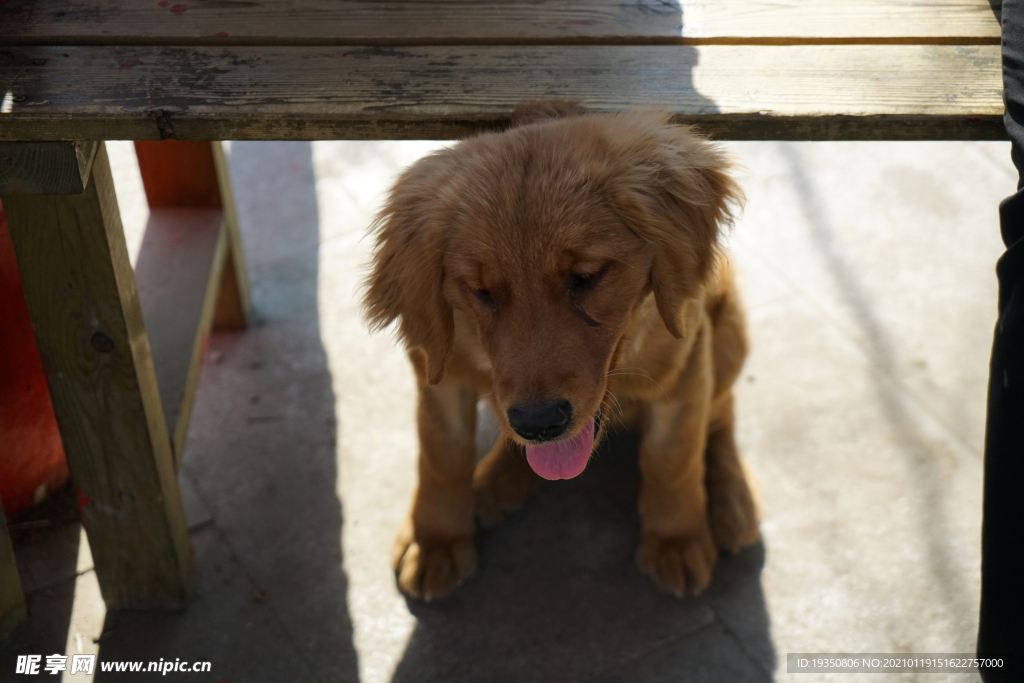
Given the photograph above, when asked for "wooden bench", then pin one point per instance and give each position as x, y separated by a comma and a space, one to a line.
75, 73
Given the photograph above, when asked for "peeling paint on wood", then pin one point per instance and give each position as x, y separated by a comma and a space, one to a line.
798, 92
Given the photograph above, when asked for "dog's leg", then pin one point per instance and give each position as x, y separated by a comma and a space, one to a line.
503, 481
434, 550
732, 507
676, 546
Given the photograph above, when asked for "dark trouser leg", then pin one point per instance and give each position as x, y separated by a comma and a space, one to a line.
1001, 632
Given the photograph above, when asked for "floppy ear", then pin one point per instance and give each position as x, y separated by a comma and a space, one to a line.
407, 276
676, 193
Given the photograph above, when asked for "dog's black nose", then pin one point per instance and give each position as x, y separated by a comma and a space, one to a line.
540, 421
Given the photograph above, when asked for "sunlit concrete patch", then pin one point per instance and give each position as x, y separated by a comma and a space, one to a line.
896, 244
376, 397
871, 512
85, 629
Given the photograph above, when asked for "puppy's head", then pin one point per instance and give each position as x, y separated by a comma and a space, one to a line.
548, 238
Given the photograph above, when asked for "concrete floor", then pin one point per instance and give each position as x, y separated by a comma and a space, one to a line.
868, 272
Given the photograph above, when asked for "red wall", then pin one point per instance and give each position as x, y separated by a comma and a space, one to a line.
31, 453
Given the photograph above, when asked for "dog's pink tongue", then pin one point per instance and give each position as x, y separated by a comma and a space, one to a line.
564, 459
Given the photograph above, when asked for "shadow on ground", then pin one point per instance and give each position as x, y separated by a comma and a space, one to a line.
271, 592
557, 596
46, 540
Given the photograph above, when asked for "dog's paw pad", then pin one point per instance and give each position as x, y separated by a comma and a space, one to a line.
681, 566
733, 516
432, 569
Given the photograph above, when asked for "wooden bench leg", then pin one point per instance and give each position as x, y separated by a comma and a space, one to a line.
190, 271
233, 301
12, 601
85, 310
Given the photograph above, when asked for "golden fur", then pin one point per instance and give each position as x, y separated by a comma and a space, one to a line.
480, 251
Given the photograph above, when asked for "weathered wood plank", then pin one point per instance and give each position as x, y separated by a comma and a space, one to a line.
45, 168
85, 311
178, 271
420, 22
12, 600
798, 92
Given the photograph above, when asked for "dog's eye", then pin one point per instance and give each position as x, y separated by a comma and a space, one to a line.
485, 298
582, 282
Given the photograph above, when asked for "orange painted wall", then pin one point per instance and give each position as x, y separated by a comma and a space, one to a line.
31, 453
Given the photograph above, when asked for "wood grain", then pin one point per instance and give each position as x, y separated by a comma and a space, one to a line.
233, 302
45, 168
178, 272
769, 92
419, 22
84, 305
12, 600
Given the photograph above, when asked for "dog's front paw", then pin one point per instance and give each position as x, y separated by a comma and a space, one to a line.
681, 566
501, 484
431, 569
732, 514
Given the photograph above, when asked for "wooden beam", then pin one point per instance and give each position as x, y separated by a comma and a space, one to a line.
12, 600
178, 271
45, 168
233, 303
877, 92
186, 274
444, 22
85, 311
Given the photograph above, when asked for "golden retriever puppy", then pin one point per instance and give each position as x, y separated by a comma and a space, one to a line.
556, 269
